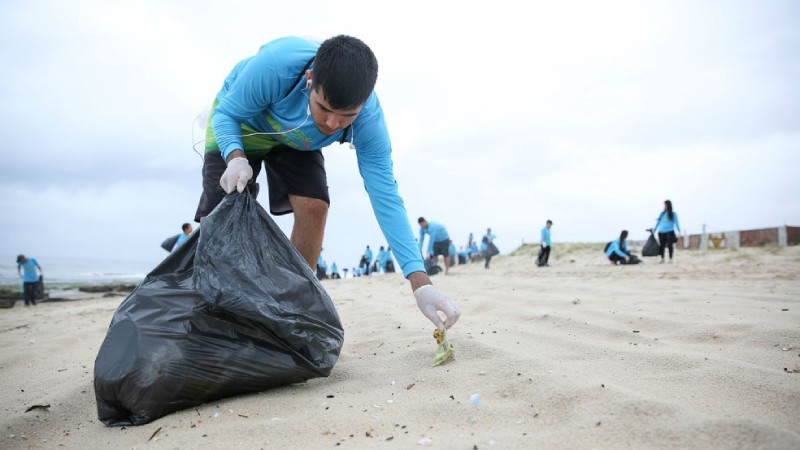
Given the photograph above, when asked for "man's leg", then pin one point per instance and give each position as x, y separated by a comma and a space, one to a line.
310, 215
27, 289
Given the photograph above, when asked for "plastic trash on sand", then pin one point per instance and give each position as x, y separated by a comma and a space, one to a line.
235, 309
445, 351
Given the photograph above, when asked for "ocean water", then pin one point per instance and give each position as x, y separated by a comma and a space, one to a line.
79, 270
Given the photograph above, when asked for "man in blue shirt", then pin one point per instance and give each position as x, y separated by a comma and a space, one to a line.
276, 110
438, 242
487, 247
187, 230
26, 268
545, 243
368, 259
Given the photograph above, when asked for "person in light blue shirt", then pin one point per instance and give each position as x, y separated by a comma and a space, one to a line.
545, 244
276, 110
27, 270
617, 251
474, 252
382, 258
335, 272
322, 268
369, 261
389, 263
438, 241
187, 230
488, 249
666, 225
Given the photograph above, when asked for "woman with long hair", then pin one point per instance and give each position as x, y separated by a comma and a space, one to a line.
666, 225
617, 251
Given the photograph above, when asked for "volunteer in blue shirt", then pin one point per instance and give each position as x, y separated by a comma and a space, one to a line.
27, 270
545, 244
617, 250
187, 230
488, 247
666, 225
278, 108
438, 241
335, 272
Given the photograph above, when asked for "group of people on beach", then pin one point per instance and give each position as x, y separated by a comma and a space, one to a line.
440, 244
276, 110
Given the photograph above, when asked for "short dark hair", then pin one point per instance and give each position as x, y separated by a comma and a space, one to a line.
346, 70
549, 222
421, 219
185, 226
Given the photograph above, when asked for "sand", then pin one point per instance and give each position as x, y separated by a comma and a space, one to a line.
700, 354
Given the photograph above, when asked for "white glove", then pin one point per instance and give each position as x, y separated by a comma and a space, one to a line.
430, 300
236, 175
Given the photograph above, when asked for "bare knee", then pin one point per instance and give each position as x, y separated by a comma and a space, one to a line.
306, 208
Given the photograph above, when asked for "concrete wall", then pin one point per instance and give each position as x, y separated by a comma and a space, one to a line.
780, 236
758, 238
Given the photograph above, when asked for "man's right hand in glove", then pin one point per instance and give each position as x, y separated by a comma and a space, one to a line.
431, 301
237, 174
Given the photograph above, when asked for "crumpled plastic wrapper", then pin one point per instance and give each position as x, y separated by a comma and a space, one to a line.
445, 351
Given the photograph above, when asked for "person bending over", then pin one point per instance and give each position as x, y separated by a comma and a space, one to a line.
617, 251
277, 109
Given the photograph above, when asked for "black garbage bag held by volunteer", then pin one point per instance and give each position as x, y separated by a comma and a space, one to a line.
235, 309
169, 243
651, 246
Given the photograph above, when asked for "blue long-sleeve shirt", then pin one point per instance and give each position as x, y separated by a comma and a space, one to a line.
437, 233
260, 95
545, 240
619, 248
664, 225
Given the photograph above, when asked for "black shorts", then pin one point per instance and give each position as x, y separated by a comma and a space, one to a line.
289, 172
441, 248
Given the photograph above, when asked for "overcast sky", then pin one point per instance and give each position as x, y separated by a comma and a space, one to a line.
587, 113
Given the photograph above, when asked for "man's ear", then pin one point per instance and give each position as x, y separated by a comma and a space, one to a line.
309, 79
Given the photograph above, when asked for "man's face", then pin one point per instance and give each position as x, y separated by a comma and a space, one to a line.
327, 119
423, 224
188, 230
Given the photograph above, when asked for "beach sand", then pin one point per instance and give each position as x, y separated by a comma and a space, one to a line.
700, 354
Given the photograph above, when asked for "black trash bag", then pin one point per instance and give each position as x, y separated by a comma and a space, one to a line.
431, 268
38, 289
170, 242
491, 250
651, 246
235, 309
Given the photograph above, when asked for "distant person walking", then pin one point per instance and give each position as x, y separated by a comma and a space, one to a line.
27, 270
187, 230
545, 243
438, 242
666, 225
366, 261
488, 248
335, 272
